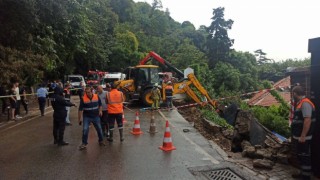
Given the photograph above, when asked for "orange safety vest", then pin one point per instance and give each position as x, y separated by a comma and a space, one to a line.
305, 100
169, 91
94, 102
115, 99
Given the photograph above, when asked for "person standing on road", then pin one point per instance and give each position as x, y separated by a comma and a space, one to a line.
90, 109
103, 119
155, 96
59, 105
24, 100
169, 94
67, 96
13, 102
18, 100
302, 128
42, 93
114, 102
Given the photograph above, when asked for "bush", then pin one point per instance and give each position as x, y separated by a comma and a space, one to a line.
274, 118
215, 118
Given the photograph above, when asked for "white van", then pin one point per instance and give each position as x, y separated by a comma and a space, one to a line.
75, 80
111, 77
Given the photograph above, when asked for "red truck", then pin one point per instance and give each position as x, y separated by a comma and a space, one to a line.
94, 77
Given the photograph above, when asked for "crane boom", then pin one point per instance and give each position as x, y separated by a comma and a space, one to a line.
158, 58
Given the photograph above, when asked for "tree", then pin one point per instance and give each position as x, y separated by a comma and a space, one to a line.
218, 41
227, 78
187, 55
261, 57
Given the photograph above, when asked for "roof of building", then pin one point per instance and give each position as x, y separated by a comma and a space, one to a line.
264, 98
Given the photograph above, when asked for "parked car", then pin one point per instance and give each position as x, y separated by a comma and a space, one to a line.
75, 81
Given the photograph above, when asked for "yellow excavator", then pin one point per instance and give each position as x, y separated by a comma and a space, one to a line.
141, 79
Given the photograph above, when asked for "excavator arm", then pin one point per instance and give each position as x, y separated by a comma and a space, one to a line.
184, 87
161, 61
203, 91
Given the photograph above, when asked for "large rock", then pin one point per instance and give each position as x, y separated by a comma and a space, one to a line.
248, 150
263, 153
282, 158
263, 163
228, 133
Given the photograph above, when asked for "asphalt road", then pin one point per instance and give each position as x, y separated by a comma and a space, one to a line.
27, 151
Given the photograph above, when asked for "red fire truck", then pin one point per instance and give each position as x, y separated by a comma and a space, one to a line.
94, 77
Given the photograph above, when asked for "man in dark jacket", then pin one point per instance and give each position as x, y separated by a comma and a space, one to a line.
59, 105
302, 129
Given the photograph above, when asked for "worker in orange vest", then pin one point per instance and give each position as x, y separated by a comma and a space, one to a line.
114, 102
302, 129
90, 109
169, 94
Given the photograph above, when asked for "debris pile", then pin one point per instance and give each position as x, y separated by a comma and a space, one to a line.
248, 137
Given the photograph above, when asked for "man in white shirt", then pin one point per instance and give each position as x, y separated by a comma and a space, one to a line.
18, 98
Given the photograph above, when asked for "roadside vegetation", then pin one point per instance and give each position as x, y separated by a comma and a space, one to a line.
45, 40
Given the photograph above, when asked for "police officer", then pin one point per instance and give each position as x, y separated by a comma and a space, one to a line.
302, 130
59, 105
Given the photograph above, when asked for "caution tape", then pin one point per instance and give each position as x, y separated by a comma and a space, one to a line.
33, 94
207, 102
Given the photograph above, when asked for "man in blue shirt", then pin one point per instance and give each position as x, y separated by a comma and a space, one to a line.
42, 93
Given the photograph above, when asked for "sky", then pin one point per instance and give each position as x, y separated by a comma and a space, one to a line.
281, 28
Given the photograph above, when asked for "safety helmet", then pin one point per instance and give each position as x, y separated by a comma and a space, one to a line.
169, 82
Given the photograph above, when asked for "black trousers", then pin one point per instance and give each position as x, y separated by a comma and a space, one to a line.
111, 120
315, 155
24, 104
104, 122
17, 112
42, 104
59, 125
4, 105
304, 157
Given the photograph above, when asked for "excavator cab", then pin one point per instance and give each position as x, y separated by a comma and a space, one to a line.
139, 82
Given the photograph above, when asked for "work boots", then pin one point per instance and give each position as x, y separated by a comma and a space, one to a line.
121, 135
110, 138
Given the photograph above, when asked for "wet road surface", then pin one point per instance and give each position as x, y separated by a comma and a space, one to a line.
27, 151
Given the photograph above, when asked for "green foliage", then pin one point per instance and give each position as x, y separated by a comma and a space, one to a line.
276, 70
280, 99
273, 118
218, 43
227, 78
22, 66
187, 55
261, 57
215, 118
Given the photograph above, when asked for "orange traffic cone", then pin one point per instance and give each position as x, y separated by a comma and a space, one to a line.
123, 119
136, 127
167, 140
